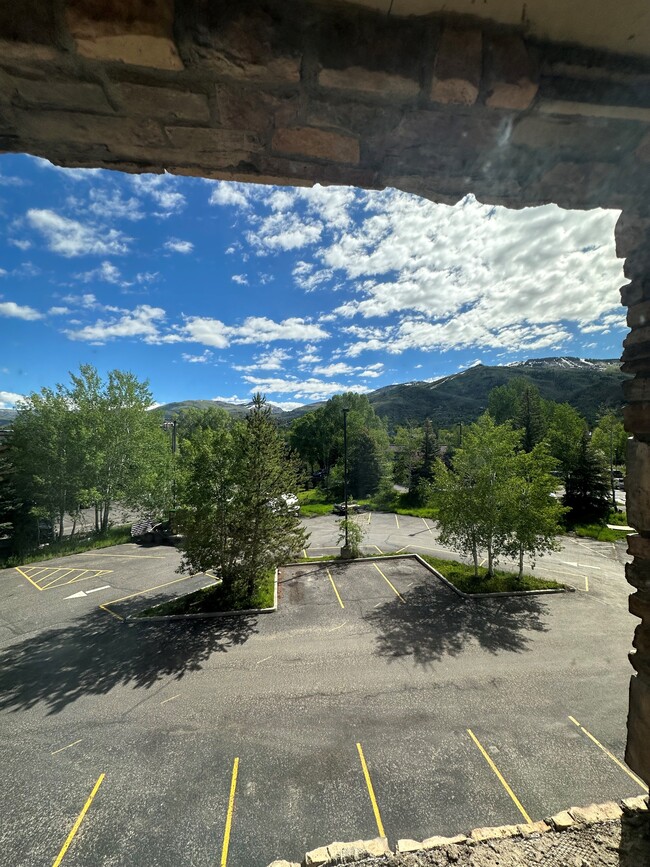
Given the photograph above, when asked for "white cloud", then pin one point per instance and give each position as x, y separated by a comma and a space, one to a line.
233, 399
111, 205
8, 399
227, 193
306, 389
272, 360
71, 238
242, 279
284, 232
19, 311
142, 322
203, 358
260, 329
209, 332
337, 369
58, 311
3, 273
254, 329
23, 244
163, 191
106, 272
176, 245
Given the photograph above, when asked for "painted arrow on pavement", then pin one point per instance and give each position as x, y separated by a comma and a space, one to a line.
88, 592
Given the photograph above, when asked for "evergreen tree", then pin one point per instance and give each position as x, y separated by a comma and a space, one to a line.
365, 465
587, 485
529, 417
566, 429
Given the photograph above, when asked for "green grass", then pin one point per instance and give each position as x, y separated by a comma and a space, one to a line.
462, 576
599, 532
211, 600
602, 533
319, 502
114, 536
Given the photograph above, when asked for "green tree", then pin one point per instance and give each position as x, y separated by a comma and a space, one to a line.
233, 512
534, 516
473, 495
127, 455
519, 402
48, 453
407, 443
366, 464
564, 436
610, 437
351, 529
587, 485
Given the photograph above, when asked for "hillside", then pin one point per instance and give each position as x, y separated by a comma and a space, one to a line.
586, 384
236, 409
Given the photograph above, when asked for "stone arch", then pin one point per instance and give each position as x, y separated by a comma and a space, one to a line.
520, 109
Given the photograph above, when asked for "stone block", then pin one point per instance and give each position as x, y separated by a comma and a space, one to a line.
637, 755
137, 32
561, 821
637, 574
638, 315
247, 45
373, 81
499, 833
167, 104
87, 129
436, 842
637, 479
639, 804
317, 857
639, 546
201, 140
637, 389
596, 813
528, 829
568, 135
511, 78
282, 863
631, 232
406, 846
317, 143
242, 107
65, 95
457, 67
376, 847
352, 851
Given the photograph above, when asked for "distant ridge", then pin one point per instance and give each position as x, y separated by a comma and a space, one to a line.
585, 383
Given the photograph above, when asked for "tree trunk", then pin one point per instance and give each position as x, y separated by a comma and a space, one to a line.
521, 562
96, 518
490, 570
74, 526
475, 556
60, 525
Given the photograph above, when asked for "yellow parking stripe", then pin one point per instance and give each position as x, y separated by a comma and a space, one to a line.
329, 575
392, 587
58, 578
104, 607
371, 792
610, 755
231, 807
500, 777
80, 819
20, 572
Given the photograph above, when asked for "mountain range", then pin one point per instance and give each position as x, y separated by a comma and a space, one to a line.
586, 383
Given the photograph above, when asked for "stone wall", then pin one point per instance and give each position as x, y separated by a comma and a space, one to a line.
296, 92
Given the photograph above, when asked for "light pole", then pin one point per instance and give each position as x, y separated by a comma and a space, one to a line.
345, 469
167, 425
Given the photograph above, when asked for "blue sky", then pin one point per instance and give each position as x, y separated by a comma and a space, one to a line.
216, 290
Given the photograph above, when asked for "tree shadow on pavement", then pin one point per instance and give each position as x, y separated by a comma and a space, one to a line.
435, 622
96, 653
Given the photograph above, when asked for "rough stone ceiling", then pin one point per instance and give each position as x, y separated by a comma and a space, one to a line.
622, 27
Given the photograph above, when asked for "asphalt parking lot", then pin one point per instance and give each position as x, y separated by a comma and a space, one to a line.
374, 699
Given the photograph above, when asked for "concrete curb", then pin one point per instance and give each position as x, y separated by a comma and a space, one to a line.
574, 817
211, 615
435, 572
